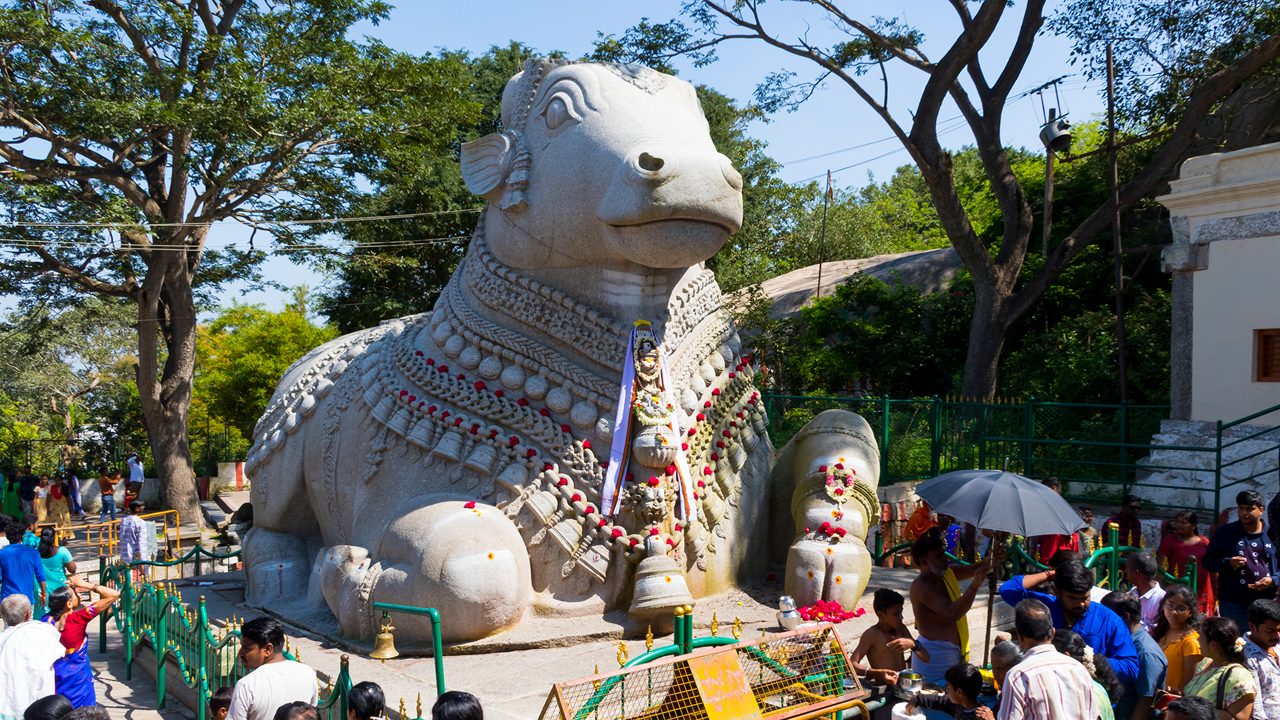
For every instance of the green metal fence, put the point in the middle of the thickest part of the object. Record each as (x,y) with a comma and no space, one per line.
(1100,451)
(205,653)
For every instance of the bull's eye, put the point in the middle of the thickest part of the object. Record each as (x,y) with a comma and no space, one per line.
(558,114)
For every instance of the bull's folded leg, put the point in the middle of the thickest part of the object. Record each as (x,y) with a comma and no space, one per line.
(818,570)
(470,563)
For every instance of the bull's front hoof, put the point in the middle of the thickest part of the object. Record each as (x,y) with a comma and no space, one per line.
(821,570)
(466,560)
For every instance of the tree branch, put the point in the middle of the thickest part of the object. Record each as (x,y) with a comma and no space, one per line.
(50,263)
(139,43)
(1203,100)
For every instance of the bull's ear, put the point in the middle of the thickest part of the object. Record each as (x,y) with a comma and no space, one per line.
(485,163)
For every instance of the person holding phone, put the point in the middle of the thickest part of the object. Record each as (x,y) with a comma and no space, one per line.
(1245,559)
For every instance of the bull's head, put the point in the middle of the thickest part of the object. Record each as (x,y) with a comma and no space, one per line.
(602,166)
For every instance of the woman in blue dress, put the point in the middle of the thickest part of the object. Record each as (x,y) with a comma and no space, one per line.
(73,675)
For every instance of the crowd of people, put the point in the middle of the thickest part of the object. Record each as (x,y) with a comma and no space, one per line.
(46,673)
(1156,648)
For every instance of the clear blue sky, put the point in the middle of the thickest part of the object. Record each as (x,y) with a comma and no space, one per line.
(832,121)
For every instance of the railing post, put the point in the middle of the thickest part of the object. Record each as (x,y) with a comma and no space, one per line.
(1029,433)
(1193,571)
(884,454)
(126,629)
(1113,560)
(202,672)
(104,617)
(161,642)
(1217,474)
(935,449)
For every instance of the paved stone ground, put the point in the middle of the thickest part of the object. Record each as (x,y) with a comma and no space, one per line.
(512,675)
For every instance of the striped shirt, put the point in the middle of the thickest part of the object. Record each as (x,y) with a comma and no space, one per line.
(1047,685)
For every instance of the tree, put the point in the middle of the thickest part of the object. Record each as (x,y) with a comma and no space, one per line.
(243,352)
(1002,292)
(162,118)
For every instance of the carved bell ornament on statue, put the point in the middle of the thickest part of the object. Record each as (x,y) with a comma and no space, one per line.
(660,586)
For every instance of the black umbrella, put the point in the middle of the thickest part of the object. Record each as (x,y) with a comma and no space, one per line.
(1000,500)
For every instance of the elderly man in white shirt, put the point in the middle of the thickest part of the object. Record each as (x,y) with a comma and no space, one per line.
(28,649)
(1046,685)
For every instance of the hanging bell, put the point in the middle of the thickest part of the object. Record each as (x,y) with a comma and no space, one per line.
(384,646)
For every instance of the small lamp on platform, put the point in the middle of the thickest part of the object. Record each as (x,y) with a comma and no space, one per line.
(384,646)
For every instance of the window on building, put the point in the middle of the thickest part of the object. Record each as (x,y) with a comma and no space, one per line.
(1266,345)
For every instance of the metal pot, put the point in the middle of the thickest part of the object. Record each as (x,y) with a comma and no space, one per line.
(909,683)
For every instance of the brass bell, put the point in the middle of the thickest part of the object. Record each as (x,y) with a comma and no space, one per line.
(384,646)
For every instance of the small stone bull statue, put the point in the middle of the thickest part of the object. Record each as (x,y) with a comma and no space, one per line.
(459,459)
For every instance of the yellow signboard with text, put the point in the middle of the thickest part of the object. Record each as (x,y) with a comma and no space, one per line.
(723,686)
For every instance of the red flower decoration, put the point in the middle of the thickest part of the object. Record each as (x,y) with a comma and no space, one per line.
(671,469)
(443,369)
(498,393)
(586,444)
(635,542)
(479,385)
(822,468)
(575,497)
(701,417)
(591,510)
(720,444)
(544,412)
(522,402)
(413,398)
(733,375)
(418,353)
(715,456)
(462,376)
(616,532)
(706,404)
(654,481)
(715,392)
(470,505)
(493,434)
(403,393)
(457,422)
(562,482)
(706,470)
(684,447)
(445,414)
(653,532)
(726,433)
(513,441)
(693,431)
(530,453)
(565,428)
(602,522)
(431,361)
(432,410)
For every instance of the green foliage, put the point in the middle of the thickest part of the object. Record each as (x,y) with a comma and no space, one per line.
(1162,50)
(242,354)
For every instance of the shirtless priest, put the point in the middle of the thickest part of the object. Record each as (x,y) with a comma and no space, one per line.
(940,607)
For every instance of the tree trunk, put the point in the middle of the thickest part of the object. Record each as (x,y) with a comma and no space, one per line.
(987,330)
(166,313)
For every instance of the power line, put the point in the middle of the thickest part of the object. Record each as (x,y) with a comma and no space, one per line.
(306,221)
(12,244)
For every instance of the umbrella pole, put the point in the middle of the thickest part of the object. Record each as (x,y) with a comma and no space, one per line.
(997,561)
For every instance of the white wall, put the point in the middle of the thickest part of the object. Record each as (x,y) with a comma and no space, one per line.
(1237,293)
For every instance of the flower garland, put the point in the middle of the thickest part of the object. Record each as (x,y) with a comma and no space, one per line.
(841,484)
(829,611)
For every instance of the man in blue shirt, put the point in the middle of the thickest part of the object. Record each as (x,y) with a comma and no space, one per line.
(1153,666)
(1105,632)
(20,567)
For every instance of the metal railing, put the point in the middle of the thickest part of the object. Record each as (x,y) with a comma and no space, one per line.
(104,537)
(206,652)
(1100,450)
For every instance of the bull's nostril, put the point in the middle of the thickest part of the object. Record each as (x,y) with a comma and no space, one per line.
(650,163)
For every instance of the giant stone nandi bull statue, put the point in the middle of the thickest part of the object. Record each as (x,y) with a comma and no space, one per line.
(481,458)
